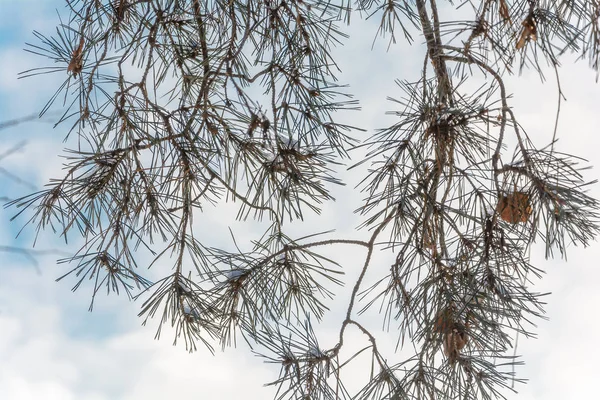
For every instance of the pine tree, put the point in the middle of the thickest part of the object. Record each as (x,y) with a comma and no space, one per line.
(180,106)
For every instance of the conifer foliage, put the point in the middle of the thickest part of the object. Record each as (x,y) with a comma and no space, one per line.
(177,107)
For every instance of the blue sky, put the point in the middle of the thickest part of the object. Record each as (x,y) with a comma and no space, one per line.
(51,347)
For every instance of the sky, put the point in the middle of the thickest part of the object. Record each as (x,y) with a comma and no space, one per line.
(51,347)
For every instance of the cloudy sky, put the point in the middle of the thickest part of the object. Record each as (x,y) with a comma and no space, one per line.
(51,347)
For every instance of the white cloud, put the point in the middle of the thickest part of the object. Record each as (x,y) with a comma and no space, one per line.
(41,359)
